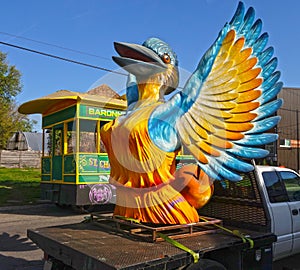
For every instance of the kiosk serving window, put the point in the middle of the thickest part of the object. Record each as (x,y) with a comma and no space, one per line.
(47,142)
(71,137)
(102,146)
(57,142)
(88,136)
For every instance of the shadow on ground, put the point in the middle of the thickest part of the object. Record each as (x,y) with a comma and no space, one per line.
(51,210)
(16,243)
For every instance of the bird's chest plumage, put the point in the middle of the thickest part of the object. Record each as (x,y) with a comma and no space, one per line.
(135,160)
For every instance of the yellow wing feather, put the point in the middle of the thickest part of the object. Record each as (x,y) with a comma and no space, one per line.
(247,65)
(209,149)
(243,56)
(194,129)
(249,75)
(224,88)
(223,110)
(236,48)
(248,96)
(250,85)
(239,127)
(245,107)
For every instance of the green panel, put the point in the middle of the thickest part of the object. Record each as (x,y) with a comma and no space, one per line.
(46,165)
(57,168)
(46,177)
(70,178)
(70,164)
(97,178)
(185,158)
(97,113)
(59,116)
(93,163)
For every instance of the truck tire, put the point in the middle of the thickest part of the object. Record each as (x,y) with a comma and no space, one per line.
(206,264)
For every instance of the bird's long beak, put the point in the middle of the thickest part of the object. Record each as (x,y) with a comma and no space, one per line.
(138,60)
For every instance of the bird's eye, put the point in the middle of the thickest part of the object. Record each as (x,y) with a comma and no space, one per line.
(166,58)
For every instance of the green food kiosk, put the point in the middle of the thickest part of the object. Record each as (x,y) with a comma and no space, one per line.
(74,166)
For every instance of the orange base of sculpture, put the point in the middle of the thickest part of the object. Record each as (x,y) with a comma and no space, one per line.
(172,203)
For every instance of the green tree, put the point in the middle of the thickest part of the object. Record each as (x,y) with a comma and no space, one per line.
(10,77)
(10,86)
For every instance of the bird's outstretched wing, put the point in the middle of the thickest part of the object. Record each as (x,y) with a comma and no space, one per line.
(227,104)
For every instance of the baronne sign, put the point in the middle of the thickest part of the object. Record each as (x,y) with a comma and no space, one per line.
(96,112)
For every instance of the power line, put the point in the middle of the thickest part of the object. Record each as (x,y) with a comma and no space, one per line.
(65,59)
(61,58)
(53,45)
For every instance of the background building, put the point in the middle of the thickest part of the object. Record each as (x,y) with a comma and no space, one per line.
(25,141)
(288,129)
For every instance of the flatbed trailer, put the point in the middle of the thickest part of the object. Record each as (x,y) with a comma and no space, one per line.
(88,246)
(240,206)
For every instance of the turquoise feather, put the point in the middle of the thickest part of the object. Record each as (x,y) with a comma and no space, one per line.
(265,56)
(258,139)
(253,34)
(264,125)
(248,152)
(268,109)
(270,93)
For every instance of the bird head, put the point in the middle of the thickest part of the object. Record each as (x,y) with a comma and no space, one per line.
(152,62)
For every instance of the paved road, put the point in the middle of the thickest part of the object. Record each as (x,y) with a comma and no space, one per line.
(17,252)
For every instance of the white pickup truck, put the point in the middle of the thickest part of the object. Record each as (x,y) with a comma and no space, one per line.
(281,189)
(276,190)
(264,207)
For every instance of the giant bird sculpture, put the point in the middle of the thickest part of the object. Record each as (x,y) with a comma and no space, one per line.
(221,116)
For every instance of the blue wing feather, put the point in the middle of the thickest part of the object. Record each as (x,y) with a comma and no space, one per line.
(238,16)
(265,56)
(271,81)
(132,93)
(161,124)
(258,139)
(222,171)
(260,44)
(270,93)
(264,125)
(233,163)
(268,109)
(269,68)
(206,62)
(209,170)
(254,33)
(248,21)
(248,152)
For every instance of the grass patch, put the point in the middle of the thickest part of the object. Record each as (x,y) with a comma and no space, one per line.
(19,186)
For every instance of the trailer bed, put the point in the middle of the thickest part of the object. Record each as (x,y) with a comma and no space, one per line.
(88,246)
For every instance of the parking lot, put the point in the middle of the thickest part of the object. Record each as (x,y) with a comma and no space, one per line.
(17,252)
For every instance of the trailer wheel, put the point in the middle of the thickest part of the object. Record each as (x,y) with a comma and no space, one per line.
(206,264)
(83,209)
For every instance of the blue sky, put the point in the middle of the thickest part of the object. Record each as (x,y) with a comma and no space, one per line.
(92,26)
